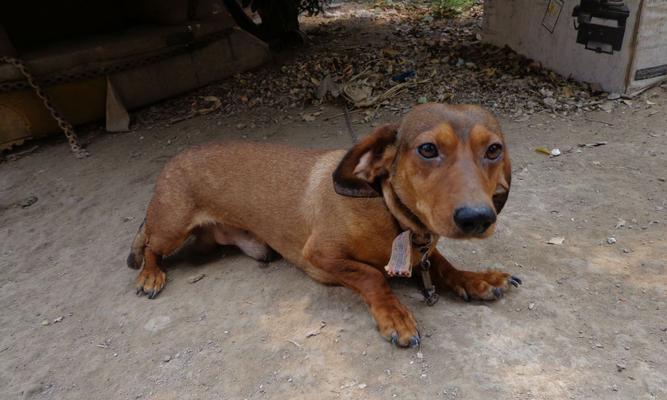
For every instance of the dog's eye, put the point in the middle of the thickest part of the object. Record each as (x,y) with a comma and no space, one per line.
(428,150)
(494,151)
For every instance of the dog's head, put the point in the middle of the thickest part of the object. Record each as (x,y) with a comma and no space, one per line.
(448,164)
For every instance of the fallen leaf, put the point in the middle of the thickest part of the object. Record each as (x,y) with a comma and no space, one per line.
(543,150)
(358,93)
(567,91)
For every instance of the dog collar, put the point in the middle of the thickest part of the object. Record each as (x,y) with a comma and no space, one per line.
(405,218)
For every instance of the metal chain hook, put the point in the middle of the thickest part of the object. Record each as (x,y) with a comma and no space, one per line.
(430,295)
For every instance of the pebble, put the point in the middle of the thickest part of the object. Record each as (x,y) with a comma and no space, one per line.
(531,306)
(614,96)
(362,386)
(557,240)
(611,240)
(27,202)
(166,358)
(46,322)
(620,366)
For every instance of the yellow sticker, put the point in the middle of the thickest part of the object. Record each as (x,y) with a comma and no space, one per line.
(400,262)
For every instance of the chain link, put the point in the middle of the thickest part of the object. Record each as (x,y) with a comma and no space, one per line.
(96,71)
(67,128)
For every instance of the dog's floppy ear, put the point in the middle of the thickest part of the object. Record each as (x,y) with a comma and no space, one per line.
(366,162)
(504,183)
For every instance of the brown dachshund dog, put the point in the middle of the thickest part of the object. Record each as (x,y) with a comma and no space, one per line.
(444,171)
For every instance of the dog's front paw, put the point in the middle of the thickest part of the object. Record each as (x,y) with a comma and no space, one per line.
(486,285)
(150,282)
(397,325)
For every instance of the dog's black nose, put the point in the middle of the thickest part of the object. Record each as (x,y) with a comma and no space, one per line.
(474,220)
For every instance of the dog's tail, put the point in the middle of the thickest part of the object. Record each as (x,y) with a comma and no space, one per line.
(136,257)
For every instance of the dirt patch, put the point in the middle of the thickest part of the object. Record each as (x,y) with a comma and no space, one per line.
(588,323)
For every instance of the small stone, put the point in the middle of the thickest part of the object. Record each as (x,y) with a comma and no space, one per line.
(55,321)
(557,240)
(614,387)
(614,96)
(166,358)
(196,278)
(531,306)
(46,322)
(362,386)
(599,345)
(240,125)
(555,152)
(620,366)
(611,240)
(27,202)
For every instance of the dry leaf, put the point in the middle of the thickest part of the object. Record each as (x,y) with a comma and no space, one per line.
(543,150)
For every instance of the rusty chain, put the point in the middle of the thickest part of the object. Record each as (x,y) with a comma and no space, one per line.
(96,71)
(67,128)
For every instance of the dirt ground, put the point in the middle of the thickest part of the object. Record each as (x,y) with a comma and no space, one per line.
(588,323)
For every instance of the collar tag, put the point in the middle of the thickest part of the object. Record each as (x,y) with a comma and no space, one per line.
(400,262)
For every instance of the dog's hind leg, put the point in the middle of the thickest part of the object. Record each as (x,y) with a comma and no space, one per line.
(165,232)
(151,279)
